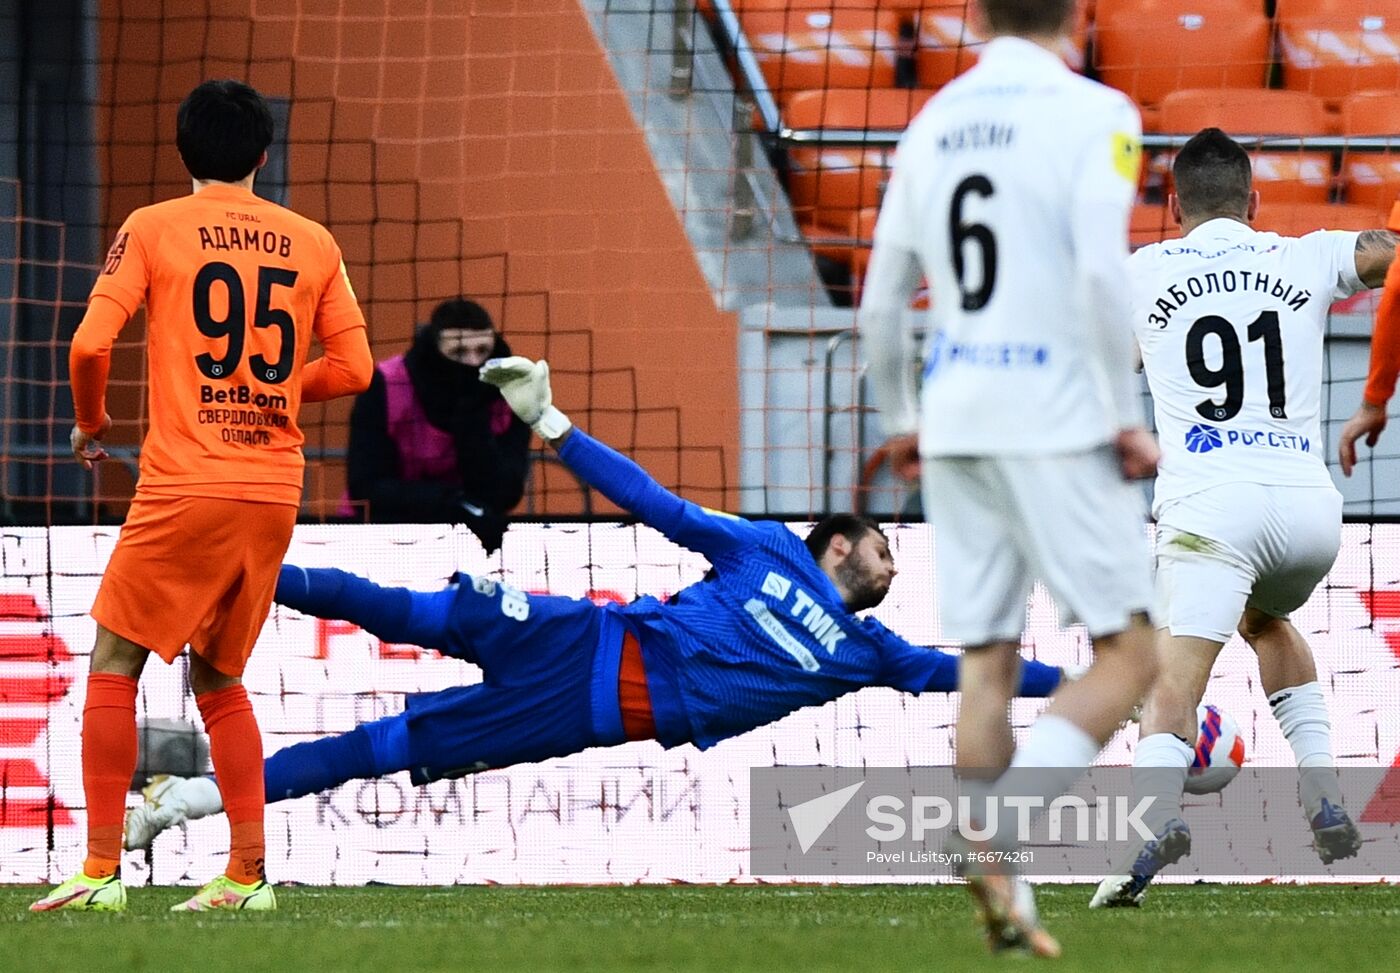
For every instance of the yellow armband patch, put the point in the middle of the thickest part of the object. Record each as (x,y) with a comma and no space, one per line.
(1127,156)
(720,513)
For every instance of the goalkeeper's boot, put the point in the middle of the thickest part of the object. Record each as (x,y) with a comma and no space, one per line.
(1005,902)
(163,809)
(1335,835)
(83,894)
(225,893)
(1172,844)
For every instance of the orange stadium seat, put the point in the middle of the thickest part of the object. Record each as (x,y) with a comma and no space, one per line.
(806,49)
(948,42)
(828,184)
(1372,178)
(1151,223)
(1281,176)
(1150,54)
(1335,47)
(833,243)
(906,8)
(1301,218)
(882,108)
(1105,9)
(749,6)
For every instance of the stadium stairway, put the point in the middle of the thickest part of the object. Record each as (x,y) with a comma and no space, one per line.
(746,257)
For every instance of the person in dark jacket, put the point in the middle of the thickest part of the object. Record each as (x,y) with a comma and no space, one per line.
(429,441)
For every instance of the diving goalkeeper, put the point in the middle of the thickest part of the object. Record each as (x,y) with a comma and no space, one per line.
(772,628)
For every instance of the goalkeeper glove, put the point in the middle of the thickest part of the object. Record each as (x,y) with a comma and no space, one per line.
(525,386)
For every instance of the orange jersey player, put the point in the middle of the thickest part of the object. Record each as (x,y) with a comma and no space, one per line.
(1370,417)
(234,288)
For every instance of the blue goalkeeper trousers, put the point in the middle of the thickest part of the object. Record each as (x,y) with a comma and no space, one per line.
(536,652)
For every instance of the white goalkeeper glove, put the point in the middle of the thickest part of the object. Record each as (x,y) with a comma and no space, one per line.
(525,386)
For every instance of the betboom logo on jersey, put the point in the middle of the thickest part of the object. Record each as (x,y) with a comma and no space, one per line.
(1202,439)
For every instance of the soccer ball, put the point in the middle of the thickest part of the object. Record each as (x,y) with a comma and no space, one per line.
(1219,752)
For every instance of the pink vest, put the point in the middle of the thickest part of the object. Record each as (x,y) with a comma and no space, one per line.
(425,451)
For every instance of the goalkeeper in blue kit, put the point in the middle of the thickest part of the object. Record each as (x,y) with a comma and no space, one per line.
(772,628)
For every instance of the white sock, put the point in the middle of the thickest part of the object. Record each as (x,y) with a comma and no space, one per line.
(1058,752)
(200,796)
(1302,715)
(1056,742)
(976,790)
(1160,763)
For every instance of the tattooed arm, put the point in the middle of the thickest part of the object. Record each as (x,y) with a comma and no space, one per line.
(1375,250)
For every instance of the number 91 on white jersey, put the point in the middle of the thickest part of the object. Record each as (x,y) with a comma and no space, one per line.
(1230,323)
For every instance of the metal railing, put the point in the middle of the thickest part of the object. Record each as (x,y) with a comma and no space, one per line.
(875,138)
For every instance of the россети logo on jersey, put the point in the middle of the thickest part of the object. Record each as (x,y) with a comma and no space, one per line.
(987,354)
(1201,438)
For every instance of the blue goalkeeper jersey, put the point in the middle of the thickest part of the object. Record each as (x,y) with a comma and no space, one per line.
(767,635)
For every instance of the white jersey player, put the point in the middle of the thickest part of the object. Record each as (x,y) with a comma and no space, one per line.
(1230,323)
(1010,193)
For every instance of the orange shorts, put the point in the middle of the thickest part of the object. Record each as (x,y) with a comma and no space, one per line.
(195,570)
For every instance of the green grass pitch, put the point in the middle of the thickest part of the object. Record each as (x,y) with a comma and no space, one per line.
(1196,928)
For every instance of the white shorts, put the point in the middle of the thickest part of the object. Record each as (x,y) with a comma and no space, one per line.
(1241,545)
(1001,522)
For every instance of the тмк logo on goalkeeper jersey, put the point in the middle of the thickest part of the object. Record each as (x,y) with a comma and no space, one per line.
(1202,439)
(777,586)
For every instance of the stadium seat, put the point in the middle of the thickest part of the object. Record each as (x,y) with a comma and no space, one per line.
(1244,111)
(947,46)
(1300,218)
(948,42)
(1333,48)
(811,49)
(1372,178)
(1152,53)
(828,184)
(1151,223)
(1281,176)
(833,243)
(883,108)
(1105,9)
(749,6)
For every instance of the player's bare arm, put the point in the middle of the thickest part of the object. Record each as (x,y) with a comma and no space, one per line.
(1375,255)
(1369,421)
(1375,251)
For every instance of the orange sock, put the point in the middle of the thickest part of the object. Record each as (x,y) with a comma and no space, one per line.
(109,760)
(236,748)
